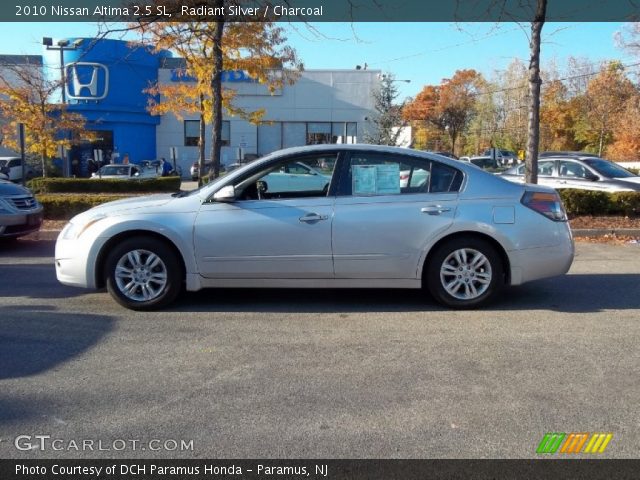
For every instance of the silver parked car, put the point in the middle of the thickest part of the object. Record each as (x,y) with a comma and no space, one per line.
(20,212)
(461,232)
(582,172)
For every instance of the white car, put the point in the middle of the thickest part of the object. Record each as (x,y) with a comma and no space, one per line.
(11,169)
(295,177)
(463,235)
(124,172)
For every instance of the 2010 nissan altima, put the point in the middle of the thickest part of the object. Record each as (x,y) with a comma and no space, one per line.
(454,229)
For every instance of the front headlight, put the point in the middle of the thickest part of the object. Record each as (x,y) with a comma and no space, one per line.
(71,231)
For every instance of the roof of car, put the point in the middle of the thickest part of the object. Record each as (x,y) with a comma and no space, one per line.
(568,154)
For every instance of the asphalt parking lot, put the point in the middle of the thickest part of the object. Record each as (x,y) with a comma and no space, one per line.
(325,373)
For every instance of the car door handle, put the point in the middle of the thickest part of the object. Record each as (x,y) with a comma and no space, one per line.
(435,209)
(313,217)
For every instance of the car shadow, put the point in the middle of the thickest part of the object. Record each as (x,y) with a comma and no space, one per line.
(27,248)
(34,339)
(569,293)
(34,280)
(304,300)
(580,293)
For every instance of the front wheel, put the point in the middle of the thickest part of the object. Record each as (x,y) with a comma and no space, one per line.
(143,273)
(465,273)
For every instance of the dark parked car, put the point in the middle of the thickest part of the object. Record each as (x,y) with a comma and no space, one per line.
(20,212)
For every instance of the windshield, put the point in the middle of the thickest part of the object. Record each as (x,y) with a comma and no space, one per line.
(607,168)
(114,170)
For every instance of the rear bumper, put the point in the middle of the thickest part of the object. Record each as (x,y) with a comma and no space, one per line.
(543,262)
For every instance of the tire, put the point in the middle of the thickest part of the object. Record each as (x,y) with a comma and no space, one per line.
(150,274)
(465,273)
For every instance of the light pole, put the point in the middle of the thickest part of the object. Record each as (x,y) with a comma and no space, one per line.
(61,46)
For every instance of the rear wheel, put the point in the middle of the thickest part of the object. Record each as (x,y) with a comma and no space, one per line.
(143,273)
(465,273)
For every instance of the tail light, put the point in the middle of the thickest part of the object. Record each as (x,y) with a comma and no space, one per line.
(404,176)
(548,204)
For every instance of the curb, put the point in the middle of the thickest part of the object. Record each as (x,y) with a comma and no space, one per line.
(601,232)
(578,232)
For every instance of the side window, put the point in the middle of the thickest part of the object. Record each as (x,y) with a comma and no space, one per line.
(312,178)
(15,163)
(388,174)
(545,168)
(572,170)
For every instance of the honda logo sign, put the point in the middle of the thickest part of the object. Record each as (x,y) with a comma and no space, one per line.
(87,81)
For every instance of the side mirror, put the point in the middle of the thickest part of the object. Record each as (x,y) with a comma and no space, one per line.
(225,194)
(592,177)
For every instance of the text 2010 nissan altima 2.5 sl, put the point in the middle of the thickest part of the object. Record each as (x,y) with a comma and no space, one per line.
(460,232)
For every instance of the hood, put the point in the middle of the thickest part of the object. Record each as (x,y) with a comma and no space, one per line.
(126,205)
(9,188)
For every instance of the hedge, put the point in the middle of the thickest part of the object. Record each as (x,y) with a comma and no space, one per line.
(91,185)
(586,202)
(63,207)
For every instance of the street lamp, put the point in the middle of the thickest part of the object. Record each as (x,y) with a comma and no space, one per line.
(61,46)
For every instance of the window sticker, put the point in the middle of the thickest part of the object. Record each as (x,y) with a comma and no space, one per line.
(376,179)
(388,179)
(364,180)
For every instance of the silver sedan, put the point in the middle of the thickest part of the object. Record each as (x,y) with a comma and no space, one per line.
(580,172)
(460,232)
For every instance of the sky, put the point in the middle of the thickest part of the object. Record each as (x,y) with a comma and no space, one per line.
(424,53)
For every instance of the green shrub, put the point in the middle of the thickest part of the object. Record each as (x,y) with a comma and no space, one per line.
(63,207)
(90,185)
(627,203)
(586,202)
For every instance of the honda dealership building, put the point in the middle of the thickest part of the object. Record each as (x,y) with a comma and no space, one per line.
(106,82)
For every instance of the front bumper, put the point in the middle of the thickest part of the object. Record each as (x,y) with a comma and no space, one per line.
(15,225)
(74,262)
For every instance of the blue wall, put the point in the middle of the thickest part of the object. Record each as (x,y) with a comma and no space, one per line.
(123,110)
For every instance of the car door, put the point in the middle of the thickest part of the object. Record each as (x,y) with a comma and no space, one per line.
(572,174)
(266,233)
(380,228)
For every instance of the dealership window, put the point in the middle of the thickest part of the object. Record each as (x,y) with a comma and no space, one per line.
(318,133)
(273,136)
(192,132)
(344,132)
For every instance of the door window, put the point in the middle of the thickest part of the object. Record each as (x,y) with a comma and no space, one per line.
(372,173)
(298,177)
(572,170)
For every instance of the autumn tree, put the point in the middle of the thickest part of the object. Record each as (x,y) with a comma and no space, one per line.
(27,97)
(558,116)
(626,145)
(388,119)
(449,106)
(512,100)
(605,99)
(210,47)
